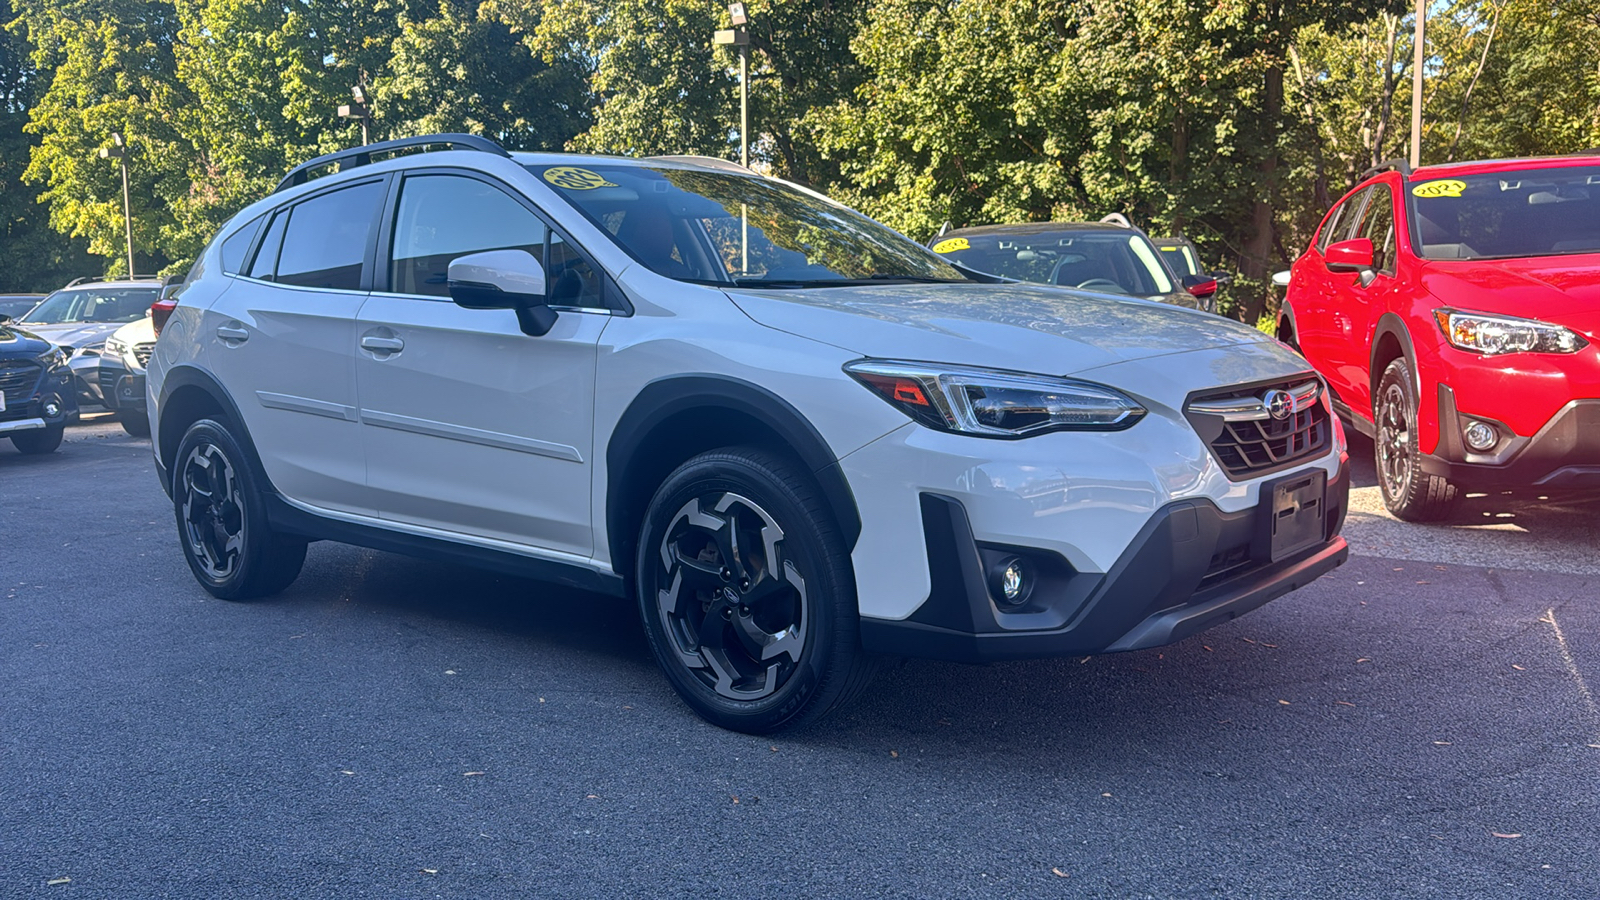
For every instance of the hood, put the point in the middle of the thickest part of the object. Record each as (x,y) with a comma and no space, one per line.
(1027,327)
(75,334)
(18,344)
(1564,290)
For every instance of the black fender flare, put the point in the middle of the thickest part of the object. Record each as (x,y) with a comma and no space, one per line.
(193,377)
(1390,324)
(665,398)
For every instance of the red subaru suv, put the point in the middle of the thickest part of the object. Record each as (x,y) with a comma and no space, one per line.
(1452,310)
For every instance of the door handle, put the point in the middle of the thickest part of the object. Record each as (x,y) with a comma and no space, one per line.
(233,332)
(382,344)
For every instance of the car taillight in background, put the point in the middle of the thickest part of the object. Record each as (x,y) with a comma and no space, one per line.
(161,311)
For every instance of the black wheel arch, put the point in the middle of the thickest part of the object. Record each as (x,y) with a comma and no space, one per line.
(189,394)
(1391,340)
(677,417)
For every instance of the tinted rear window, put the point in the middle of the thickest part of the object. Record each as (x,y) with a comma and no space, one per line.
(326,240)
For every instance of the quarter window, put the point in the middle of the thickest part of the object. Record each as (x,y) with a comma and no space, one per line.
(326,239)
(238,244)
(442,217)
(267,257)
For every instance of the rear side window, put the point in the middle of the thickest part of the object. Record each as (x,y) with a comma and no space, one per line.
(238,244)
(442,217)
(325,242)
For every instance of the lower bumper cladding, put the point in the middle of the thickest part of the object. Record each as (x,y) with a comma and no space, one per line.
(1191,567)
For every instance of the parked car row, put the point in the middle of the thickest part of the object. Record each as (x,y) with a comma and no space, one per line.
(105,335)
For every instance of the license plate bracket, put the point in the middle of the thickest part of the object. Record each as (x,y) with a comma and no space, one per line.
(1294,512)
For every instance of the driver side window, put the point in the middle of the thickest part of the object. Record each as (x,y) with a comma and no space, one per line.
(1377,225)
(442,217)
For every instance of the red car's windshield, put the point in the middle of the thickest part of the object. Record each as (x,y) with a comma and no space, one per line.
(1499,215)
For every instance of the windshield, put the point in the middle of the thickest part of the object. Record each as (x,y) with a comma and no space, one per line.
(1113,261)
(92,305)
(1532,212)
(726,227)
(16,306)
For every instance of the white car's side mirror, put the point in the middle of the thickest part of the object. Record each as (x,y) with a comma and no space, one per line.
(503,279)
(1281,279)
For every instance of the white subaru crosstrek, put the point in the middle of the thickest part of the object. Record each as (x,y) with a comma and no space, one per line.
(797,439)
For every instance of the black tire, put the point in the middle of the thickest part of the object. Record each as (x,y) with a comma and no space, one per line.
(134,422)
(1408,492)
(770,639)
(39,440)
(222,520)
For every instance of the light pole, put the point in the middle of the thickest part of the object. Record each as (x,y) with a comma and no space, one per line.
(739,36)
(119,152)
(1416,84)
(358,109)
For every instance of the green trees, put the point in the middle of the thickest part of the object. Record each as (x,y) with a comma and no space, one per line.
(1235,123)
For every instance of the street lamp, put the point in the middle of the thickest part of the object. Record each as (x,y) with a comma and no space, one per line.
(119,152)
(739,36)
(358,109)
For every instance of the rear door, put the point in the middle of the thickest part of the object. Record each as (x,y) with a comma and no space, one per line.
(283,342)
(471,426)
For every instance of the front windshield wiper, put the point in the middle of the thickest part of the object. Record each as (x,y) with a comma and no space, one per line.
(919,279)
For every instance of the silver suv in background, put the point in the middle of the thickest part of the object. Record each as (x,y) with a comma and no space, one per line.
(796,439)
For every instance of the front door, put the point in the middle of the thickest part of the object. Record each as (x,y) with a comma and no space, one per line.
(1359,300)
(470,426)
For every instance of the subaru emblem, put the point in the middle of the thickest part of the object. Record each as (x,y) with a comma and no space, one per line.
(1279,404)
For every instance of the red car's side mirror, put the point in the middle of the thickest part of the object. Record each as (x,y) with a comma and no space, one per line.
(1349,256)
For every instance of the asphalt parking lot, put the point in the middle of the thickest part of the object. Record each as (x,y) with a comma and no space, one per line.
(1420,723)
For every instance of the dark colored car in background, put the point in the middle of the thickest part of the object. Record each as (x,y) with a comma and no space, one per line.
(12,306)
(79,317)
(37,398)
(1183,258)
(1109,257)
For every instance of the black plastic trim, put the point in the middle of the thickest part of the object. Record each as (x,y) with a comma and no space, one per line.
(1563,455)
(1161,590)
(293,520)
(193,376)
(660,400)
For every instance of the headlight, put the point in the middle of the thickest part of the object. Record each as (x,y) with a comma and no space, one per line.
(52,358)
(992,402)
(115,347)
(1495,335)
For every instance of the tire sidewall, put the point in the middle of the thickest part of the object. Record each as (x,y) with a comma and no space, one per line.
(806,543)
(257,531)
(1398,372)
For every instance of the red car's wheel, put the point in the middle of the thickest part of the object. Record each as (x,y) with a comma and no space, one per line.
(1410,493)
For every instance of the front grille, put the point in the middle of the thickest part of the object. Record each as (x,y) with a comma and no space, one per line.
(18,378)
(1248,441)
(142,353)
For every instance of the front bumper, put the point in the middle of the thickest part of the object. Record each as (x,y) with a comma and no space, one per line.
(1192,566)
(120,388)
(1564,454)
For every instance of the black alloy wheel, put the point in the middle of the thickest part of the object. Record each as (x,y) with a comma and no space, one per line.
(1409,493)
(222,525)
(746,592)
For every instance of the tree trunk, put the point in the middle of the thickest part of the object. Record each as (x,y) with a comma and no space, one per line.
(1256,261)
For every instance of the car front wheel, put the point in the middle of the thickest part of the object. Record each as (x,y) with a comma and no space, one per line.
(222,524)
(1410,493)
(746,592)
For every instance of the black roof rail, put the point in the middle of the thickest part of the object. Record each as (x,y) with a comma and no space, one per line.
(96,279)
(1399,165)
(361,156)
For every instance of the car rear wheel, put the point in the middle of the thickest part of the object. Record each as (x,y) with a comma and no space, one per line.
(38,440)
(1410,493)
(134,422)
(746,592)
(222,523)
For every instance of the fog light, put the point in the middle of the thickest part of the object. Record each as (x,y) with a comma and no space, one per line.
(1010,582)
(51,409)
(1480,436)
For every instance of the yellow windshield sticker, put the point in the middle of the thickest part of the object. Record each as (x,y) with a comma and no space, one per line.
(1446,188)
(574,178)
(951,245)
